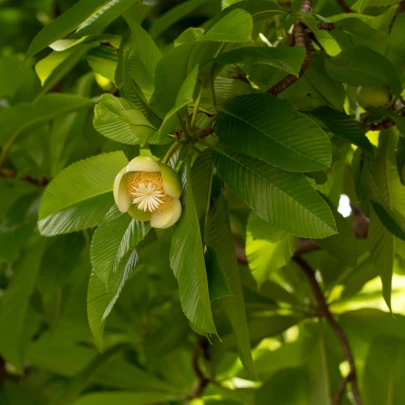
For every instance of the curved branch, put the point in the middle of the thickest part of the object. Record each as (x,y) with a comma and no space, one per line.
(299,38)
(203,381)
(344,343)
(344,6)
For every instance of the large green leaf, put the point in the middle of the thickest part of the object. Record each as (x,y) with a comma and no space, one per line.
(284,199)
(95,14)
(120,120)
(187,262)
(235,26)
(184,97)
(396,52)
(287,59)
(143,57)
(106,242)
(173,15)
(24,116)
(360,5)
(57,64)
(15,306)
(219,238)
(392,194)
(267,248)
(343,125)
(283,137)
(103,17)
(278,389)
(171,71)
(384,372)
(101,298)
(361,66)
(80,196)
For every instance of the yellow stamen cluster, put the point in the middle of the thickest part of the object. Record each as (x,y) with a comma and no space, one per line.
(147,192)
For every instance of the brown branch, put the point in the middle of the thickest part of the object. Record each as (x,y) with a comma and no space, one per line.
(344,343)
(400,9)
(203,381)
(344,6)
(238,76)
(341,389)
(329,26)
(299,38)
(12,174)
(206,132)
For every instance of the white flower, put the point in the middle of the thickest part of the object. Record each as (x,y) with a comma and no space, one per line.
(149,191)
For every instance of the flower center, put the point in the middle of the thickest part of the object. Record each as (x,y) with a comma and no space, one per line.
(147,191)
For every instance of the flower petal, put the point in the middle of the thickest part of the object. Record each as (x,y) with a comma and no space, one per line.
(167,217)
(143,164)
(121,197)
(171,181)
(138,214)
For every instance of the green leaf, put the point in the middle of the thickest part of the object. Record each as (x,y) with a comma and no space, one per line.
(330,89)
(219,238)
(361,66)
(103,17)
(342,246)
(285,200)
(396,51)
(171,71)
(217,284)
(235,26)
(173,15)
(125,397)
(344,126)
(127,57)
(360,5)
(351,31)
(184,97)
(287,59)
(383,372)
(22,117)
(103,60)
(15,305)
(187,263)
(390,192)
(283,138)
(267,248)
(84,10)
(201,176)
(106,243)
(62,211)
(143,57)
(56,65)
(84,377)
(120,120)
(278,389)
(101,299)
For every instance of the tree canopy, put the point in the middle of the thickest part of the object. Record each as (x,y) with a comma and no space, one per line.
(202,202)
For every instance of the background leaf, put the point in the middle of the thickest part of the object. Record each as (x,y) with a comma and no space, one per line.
(267,248)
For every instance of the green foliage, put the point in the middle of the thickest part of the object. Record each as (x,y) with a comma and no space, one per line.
(267,284)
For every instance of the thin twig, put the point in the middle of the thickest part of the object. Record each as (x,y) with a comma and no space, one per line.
(344,6)
(400,9)
(12,174)
(337,399)
(299,38)
(203,381)
(325,312)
